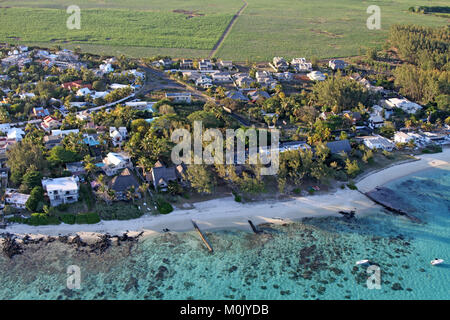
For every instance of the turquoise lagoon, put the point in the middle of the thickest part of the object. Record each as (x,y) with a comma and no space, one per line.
(314,259)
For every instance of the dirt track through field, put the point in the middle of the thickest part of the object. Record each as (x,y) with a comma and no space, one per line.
(227,30)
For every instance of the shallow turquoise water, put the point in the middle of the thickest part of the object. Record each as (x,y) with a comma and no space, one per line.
(314,259)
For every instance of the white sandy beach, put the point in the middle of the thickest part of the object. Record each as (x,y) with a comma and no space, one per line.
(225,213)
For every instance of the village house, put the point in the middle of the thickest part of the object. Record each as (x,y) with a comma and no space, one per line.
(52,141)
(160,175)
(377,142)
(316,76)
(186,64)
(226,64)
(114,162)
(258,94)
(123,183)
(76,168)
(15,134)
(236,95)
(279,64)
(16,199)
(404,104)
(75,85)
(339,146)
(376,121)
(179,97)
(301,65)
(205,65)
(50,123)
(243,80)
(401,137)
(83,92)
(336,64)
(221,77)
(354,117)
(204,82)
(118,136)
(61,190)
(286,146)
(166,62)
(106,68)
(284,76)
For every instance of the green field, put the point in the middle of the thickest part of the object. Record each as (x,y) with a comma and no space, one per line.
(323,28)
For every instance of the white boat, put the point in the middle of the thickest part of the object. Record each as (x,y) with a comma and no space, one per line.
(436,261)
(362,262)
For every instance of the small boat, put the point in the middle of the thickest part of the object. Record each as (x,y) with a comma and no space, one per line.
(436,261)
(360,262)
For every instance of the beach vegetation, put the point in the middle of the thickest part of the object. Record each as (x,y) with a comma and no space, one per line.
(163,206)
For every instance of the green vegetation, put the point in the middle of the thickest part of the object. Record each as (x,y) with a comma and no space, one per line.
(120,28)
(265,28)
(163,206)
(330,28)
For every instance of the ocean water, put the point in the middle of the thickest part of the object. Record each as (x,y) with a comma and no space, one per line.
(312,259)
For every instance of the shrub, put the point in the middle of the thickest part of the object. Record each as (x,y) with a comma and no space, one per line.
(36,196)
(42,219)
(163,206)
(297,190)
(68,218)
(87,218)
(352,186)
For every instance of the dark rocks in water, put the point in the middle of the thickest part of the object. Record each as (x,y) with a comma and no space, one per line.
(162,270)
(396,286)
(102,245)
(10,246)
(348,214)
(78,242)
(63,239)
(391,201)
(305,254)
(232,269)
(132,283)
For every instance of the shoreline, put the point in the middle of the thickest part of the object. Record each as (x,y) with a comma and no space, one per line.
(226,214)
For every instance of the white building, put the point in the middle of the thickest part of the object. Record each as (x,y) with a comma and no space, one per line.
(118,136)
(180,97)
(16,134)
(316,76)
(401,137)
(404,104)
(106,68)
(61,190)
(114,162)
(15,198)
(83,92)
(301,65)
(378,142)
(204,82)
(376,121)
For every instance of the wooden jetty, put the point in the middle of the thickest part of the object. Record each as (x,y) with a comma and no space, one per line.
(255,230)
(203,237)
